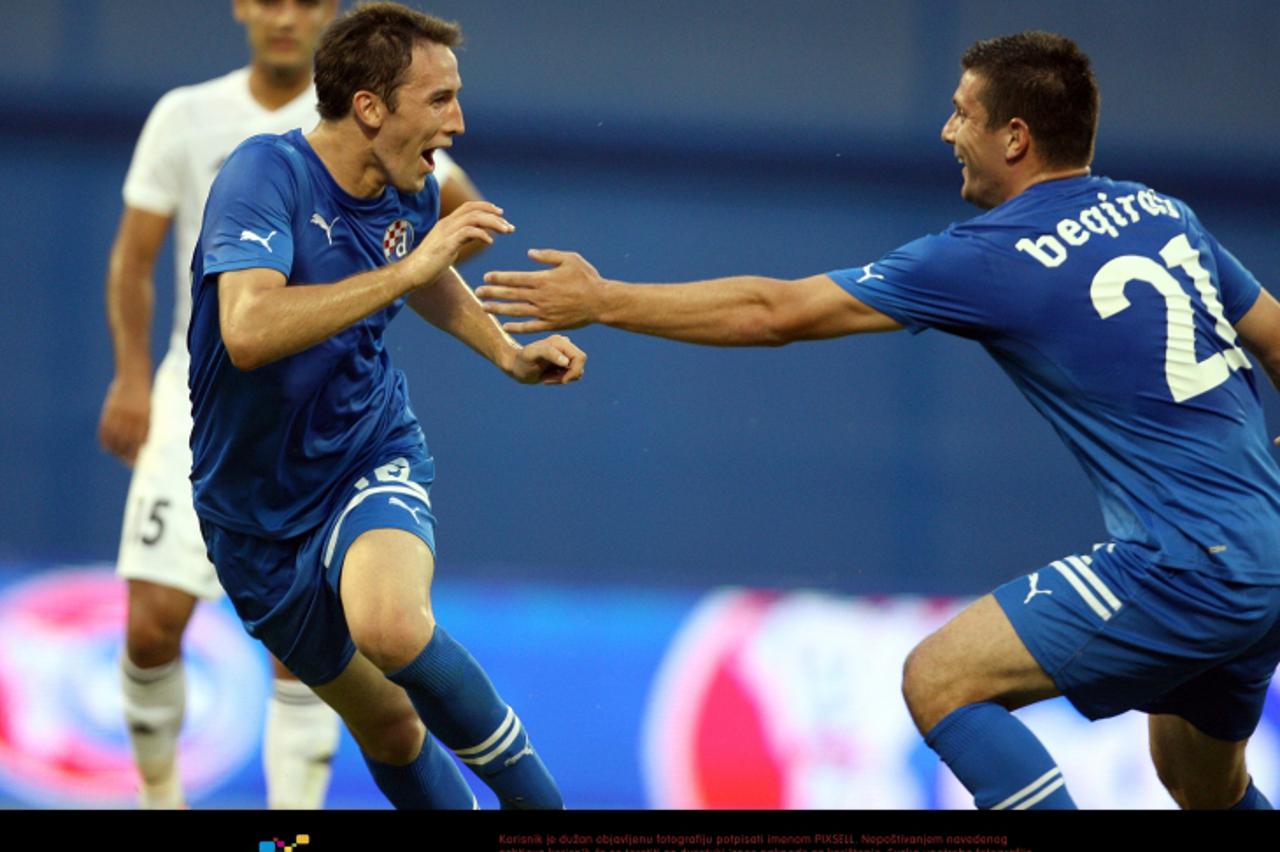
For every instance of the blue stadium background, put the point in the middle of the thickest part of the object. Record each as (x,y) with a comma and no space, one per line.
(664,140)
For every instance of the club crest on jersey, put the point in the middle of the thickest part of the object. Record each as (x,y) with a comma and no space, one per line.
(397,239)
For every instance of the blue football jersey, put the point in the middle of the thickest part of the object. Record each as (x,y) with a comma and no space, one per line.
(1111,308)
(272,447)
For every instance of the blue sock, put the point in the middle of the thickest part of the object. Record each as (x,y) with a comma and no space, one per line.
(1253,800)
(459,705)
(432,781)
(999,760)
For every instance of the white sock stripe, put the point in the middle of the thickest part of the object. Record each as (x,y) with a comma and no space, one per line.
(411,489)
(497,750)
(494,737)
(1095,581)
(1079,586)
(1029,789)
(1038,796)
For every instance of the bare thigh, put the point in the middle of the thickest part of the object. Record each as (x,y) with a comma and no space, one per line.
(976,656)
(386,595)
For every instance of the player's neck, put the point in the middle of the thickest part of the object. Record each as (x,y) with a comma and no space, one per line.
(275,87)
(342,149)
(1047,174)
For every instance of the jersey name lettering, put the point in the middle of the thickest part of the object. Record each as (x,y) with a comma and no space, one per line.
(1102,219)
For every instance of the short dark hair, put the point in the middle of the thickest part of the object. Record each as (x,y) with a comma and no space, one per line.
(370,48)
(1045,80)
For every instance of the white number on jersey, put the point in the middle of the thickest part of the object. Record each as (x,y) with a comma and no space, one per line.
(1186,376)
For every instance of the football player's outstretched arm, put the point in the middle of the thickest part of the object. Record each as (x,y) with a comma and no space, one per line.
(738,311)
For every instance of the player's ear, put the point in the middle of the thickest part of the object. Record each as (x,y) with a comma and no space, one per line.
(237,10)
(369,109)
(1017,139)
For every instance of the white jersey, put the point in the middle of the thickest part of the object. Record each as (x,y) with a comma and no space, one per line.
(190,131)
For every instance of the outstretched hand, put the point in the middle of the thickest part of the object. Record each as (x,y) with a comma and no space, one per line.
(552,360)
(562,297)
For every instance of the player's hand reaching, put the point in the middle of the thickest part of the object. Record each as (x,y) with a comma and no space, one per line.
(475,220)
(126,416)
(562,297)
(552,360)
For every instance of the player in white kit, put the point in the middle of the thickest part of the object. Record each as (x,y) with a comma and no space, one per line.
(147,423)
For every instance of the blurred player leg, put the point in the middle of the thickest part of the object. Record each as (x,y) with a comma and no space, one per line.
(1200,771)
(154,689)
(162,556)
(298,744)
(385,585)
(407,765)
(952,682)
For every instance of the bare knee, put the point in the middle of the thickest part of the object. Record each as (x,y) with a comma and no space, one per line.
(157,618)
(929,689)
(394,639)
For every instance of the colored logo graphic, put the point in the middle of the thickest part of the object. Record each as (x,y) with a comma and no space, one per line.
(62,731)
(397,239)
(794,701)
(787,702)
(275,844)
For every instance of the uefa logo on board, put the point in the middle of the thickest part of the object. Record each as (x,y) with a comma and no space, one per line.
(767,701)
(794,701)
(62,730)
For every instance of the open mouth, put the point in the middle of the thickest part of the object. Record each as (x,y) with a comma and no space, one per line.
(429,157)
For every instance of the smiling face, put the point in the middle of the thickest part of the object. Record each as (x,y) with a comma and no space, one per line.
(283,34)
(423,115)
(981,152)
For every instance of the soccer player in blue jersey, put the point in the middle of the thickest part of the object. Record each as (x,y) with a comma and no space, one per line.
(1122,320)
(311,473)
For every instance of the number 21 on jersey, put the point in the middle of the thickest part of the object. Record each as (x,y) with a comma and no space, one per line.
(1187,377)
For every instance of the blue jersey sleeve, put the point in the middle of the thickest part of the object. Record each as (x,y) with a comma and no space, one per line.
(1239,288)
(932,282)
(248,217)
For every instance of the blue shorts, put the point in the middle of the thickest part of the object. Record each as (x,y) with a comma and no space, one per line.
(286,591)
(1117,632)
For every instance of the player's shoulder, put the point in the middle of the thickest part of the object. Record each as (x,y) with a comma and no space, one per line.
(263,151)
(266,159)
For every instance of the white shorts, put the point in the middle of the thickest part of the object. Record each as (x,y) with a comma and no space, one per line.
(160,540)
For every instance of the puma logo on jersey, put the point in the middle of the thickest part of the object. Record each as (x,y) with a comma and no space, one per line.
(266,241)
(1035,589)
(327,227)
(412,510)
(867,274)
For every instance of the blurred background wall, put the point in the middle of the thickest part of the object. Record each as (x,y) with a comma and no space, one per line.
(665,141)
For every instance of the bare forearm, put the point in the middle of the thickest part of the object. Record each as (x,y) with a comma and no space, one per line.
(130,296)
(738,311)
(450,306)
(262,324)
